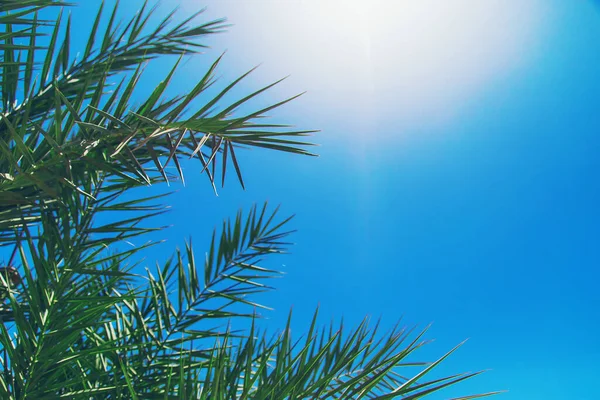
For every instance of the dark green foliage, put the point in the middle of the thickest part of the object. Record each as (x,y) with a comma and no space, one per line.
(79,324)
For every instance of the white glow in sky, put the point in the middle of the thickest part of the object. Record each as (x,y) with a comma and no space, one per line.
(417,59)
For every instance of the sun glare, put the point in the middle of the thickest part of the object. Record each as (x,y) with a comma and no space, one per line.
(417,59)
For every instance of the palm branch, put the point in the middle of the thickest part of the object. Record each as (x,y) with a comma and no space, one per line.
(82,321)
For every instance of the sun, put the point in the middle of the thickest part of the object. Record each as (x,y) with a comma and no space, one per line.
(414,59)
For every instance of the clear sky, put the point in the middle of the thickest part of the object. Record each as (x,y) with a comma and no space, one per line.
(457,181)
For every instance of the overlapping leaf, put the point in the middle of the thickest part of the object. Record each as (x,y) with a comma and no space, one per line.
(63,124)
(75,138)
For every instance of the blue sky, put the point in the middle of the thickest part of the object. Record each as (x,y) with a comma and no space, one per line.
(457,181)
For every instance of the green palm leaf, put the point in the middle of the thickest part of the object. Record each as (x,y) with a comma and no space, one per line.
(82,321)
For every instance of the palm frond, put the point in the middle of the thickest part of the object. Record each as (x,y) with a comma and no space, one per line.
(79,321)
(67,131)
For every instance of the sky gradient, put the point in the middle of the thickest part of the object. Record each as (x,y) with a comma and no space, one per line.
(457,181)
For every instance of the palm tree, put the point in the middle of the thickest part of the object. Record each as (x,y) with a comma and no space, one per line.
(77,321)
